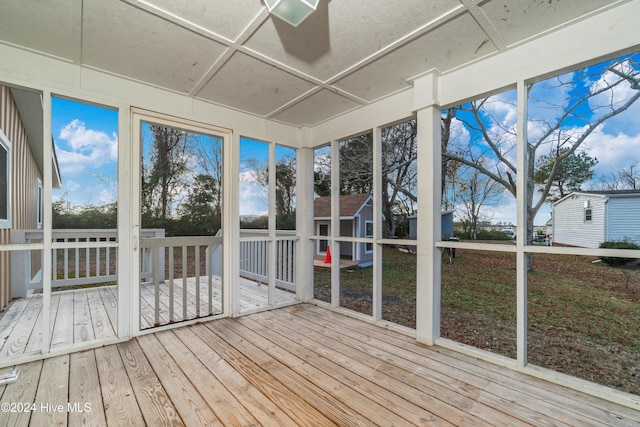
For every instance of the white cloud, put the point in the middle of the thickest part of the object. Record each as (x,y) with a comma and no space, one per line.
(503,109)
(504,212)
(87,149)
(614,152)
(90,192)
(252,197)
(619,94)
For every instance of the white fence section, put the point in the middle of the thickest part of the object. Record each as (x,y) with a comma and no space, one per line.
(254,257)
(79,257)
(183,291)
(89,257)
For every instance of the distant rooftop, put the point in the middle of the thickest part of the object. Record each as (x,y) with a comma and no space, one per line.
(350,204)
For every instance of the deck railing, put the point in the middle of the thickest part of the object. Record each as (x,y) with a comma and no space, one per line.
(254,257)
(79,257)
(187,258)
(88,257)
(200,258)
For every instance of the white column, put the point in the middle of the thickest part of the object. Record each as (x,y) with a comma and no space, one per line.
(521,231)
(335,223)
(429,206)
(304,224)
(271,243)
(128,216)
(231,225)
(47,222)
(377,223)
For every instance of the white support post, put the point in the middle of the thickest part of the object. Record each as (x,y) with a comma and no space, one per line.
(128,214)
(304,224)
(231,225)
(129,190)
(377,223)
(428,261)
(271,246)
(521,231)
(335,223)
(47,171)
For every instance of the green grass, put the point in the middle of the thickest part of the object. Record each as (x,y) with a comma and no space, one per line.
(583,317)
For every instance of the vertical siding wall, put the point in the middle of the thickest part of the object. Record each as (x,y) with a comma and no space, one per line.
(623,220)
(24,174)
(569,226)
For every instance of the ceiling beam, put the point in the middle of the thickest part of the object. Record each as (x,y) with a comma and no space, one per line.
(485,23)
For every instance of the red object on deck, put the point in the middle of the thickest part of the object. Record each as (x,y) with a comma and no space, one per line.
(327,257)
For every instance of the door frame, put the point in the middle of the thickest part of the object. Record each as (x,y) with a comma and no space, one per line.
(138,116)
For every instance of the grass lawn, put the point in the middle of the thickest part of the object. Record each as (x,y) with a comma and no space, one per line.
(584,317)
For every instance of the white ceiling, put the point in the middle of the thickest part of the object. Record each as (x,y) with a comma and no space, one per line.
(349,53)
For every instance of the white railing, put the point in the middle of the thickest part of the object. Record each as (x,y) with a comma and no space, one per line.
(254,257)
(79,257)
(89,257)
(184,291)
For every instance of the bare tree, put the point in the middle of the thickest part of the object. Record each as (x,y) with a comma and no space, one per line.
(630,177)
(477,191)
(623,179)
(285,187)
(592,96)
(162,176)
(207,156)
(399,174)
(399,170)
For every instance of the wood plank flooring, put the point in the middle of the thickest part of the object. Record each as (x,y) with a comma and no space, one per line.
(301,365)
(85,315)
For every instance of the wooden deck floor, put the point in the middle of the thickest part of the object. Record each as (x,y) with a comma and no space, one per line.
(88,314)
(302,365)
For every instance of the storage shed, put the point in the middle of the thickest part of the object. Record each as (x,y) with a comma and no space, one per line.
(446,225)
(356,220)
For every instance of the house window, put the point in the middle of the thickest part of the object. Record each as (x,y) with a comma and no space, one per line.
(39,204)
(368,232)
(323,230)
(587,214)
(5,181)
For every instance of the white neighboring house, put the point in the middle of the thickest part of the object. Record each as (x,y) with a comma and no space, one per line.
(586,219)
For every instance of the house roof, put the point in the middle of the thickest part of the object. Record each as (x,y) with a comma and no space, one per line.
(30,107)
(601,194)
(614,192)
(346,55)
(350,205)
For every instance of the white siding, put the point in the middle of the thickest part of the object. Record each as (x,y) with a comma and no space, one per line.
(569,226)
(623,218)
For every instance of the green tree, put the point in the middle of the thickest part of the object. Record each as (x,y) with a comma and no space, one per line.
(286,193)
(199,214)
(574,170)
(285,188)
(67,216)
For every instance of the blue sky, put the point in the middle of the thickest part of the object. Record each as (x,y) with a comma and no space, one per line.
(253,197)
(86,139)
(86,146)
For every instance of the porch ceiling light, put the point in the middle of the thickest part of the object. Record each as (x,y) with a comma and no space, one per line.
(291,11)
